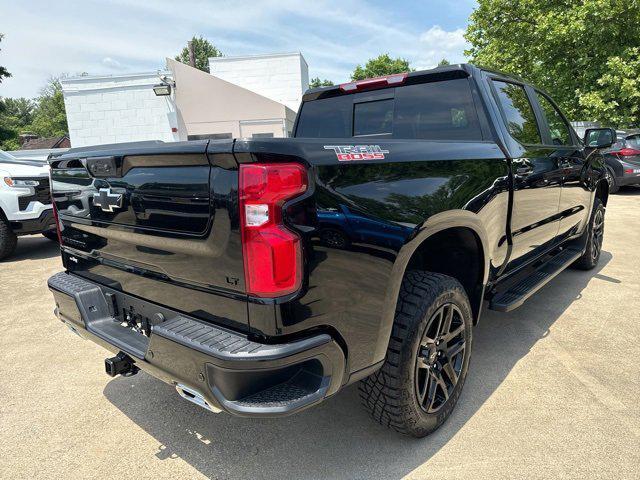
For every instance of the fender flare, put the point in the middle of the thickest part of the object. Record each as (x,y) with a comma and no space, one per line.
(436,223)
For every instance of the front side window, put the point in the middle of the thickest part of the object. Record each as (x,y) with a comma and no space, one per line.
(558,128)
(521,121)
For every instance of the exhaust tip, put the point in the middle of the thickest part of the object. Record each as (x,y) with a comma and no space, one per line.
(196,397)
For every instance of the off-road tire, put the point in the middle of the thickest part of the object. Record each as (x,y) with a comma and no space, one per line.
(390,394)
(594,233)
(8,239)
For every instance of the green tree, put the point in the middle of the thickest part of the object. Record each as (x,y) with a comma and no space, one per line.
(49,117)
(16,115)
(18,112)
(616,96)
(444,62)
(380,66)
(584,53)
(316,82)
(203,50)
(3,71)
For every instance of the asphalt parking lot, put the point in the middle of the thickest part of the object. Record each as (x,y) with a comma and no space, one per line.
(553,392)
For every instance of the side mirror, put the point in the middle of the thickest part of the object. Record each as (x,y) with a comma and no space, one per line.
(599,137)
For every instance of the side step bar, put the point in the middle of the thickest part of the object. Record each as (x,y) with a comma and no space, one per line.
(516,295)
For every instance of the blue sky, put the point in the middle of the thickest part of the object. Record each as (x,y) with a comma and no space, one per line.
(44,38)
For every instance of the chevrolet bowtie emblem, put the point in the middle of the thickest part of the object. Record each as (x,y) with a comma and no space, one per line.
(107,200)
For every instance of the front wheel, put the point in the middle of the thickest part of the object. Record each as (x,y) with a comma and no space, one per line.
(427,358)
(595,236)
(8,239)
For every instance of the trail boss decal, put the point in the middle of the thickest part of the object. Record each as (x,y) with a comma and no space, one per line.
(349,153)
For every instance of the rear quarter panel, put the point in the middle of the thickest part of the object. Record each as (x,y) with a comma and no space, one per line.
(419,187)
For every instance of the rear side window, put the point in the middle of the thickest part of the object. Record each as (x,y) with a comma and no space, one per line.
(633,141)
(330,117)
(521,121)
(431,111)
(437,111)
(558,128)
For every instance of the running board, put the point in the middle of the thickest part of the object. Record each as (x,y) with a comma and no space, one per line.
(521,291)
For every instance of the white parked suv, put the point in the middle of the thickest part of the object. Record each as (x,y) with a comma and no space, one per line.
(25,201)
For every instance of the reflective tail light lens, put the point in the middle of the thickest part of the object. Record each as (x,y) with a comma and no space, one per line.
(627,152)
(272,253)
(57,220)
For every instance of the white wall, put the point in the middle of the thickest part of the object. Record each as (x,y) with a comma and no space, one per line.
(115,109)
(280,77)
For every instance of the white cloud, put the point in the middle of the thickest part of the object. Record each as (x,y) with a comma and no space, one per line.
(437,43)
(128,35)
(112,64)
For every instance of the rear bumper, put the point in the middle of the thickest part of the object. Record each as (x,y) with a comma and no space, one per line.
(28,226)
(629,179)
(228,369)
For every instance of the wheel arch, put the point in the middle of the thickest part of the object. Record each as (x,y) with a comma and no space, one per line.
(602,191)
(458,224)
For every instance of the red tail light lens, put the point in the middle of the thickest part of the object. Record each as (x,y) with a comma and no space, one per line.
(627,152)
(57,220)
(272,253)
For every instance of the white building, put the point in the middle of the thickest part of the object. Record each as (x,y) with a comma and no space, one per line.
(282,77)
(243,97)
(117,108)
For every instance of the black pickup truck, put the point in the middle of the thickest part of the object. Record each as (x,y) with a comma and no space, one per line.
(261,276)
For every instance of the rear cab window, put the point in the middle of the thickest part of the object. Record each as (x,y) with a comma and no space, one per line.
(633,141)
(439,110)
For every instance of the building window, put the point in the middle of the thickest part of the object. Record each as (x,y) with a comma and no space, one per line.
(211,136)
(262,135)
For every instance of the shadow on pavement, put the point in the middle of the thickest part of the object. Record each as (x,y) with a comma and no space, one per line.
(33,247)
(628,191)
(337,439)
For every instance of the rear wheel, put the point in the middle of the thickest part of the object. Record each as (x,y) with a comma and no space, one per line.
(334,238)
(427,359)
(595,236)
(8,239)
(611,180)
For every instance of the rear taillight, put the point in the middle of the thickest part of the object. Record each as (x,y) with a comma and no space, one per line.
(372,83)
(626,152)
(57,219)
(272,253)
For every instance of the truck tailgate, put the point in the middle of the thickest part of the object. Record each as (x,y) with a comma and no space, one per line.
(158,221)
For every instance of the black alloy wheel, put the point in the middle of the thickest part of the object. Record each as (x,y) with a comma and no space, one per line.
(598,234)
(440,357)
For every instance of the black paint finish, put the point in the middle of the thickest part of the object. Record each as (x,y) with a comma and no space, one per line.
(176,239)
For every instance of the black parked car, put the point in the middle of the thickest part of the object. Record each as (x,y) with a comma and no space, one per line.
(623,161)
